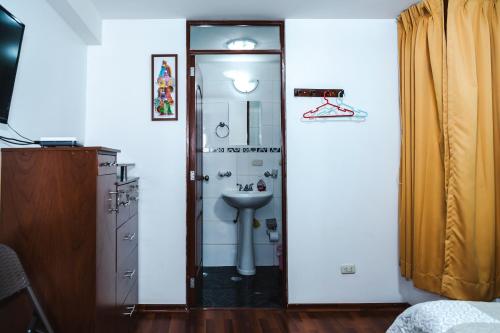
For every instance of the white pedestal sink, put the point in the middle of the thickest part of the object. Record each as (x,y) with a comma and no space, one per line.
(247,203)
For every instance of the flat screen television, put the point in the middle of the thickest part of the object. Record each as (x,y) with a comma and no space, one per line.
(11,37)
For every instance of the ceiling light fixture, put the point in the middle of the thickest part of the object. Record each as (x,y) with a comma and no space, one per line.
(245,86)
(243,44)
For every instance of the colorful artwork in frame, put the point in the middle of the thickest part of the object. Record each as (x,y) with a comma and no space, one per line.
(164,87)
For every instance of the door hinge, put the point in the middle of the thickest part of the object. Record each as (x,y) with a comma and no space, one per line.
(192,175)
(192,283)
(191,71)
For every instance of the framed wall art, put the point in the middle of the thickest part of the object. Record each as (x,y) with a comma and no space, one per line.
(164,87)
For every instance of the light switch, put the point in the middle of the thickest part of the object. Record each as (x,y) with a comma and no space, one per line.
(257,162)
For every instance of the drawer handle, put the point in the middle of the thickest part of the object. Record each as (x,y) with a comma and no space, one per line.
(129,274)
(130,309)
(129,237)
(108,164)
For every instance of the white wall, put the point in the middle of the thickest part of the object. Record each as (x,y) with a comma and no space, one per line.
(343,176)
(119,115)
(49,94)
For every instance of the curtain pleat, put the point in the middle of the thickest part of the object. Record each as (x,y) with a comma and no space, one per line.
(450,148)
(471,260)
(422,176)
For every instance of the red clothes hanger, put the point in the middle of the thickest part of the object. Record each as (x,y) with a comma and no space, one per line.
(312,114)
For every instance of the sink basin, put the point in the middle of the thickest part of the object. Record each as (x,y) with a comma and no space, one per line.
(254,199)
(247,203)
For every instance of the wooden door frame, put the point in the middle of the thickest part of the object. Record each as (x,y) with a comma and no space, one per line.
(191,144)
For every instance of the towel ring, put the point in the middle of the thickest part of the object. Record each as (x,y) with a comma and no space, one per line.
(222,125)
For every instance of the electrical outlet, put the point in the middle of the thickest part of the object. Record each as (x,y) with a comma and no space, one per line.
(348,269)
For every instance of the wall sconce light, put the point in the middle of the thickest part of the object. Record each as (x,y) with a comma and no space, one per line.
(245,86)
(242,81)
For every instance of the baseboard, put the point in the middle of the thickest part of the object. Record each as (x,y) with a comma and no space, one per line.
(291,307)
(162,308)
(347,306)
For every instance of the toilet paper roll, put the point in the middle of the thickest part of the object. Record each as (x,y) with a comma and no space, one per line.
(274,236)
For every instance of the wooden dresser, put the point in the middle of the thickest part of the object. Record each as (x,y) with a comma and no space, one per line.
(75,228)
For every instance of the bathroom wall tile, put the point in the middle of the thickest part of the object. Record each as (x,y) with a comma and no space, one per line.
(264,254)
(219,255)
(263,93)
(277,114)
(276,86)
(267,113)
(242,164)
(217,209)
(278,208)
(276,257)
(212,164)
(220,232)
(276,133)
(213,114)
(222,89)
(245,167)
(259,234)
(267,136)
(266,212)
(277,184)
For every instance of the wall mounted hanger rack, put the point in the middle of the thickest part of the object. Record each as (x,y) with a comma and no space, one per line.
(303,92)
(328,110)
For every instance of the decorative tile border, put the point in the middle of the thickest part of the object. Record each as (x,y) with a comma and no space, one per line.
(243,150)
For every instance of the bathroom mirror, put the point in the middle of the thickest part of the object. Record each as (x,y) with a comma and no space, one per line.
(245,123)
(241,100)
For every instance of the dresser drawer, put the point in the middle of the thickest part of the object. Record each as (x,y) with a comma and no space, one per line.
(106,164)
(127,310)
(123,203)
(133,189)
(126,239)
(126,275)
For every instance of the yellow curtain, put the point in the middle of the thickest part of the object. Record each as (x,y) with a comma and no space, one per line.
(422,178)
(450,158)
(472,256)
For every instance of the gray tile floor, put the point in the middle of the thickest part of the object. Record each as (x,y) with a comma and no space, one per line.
(263,290)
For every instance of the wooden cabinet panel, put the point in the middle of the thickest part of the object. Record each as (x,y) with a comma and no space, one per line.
(48,217)
(106,258)
(59,212)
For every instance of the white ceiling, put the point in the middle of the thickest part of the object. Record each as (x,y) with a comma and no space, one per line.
(256,9)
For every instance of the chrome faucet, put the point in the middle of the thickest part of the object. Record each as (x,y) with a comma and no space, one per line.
(248,188)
